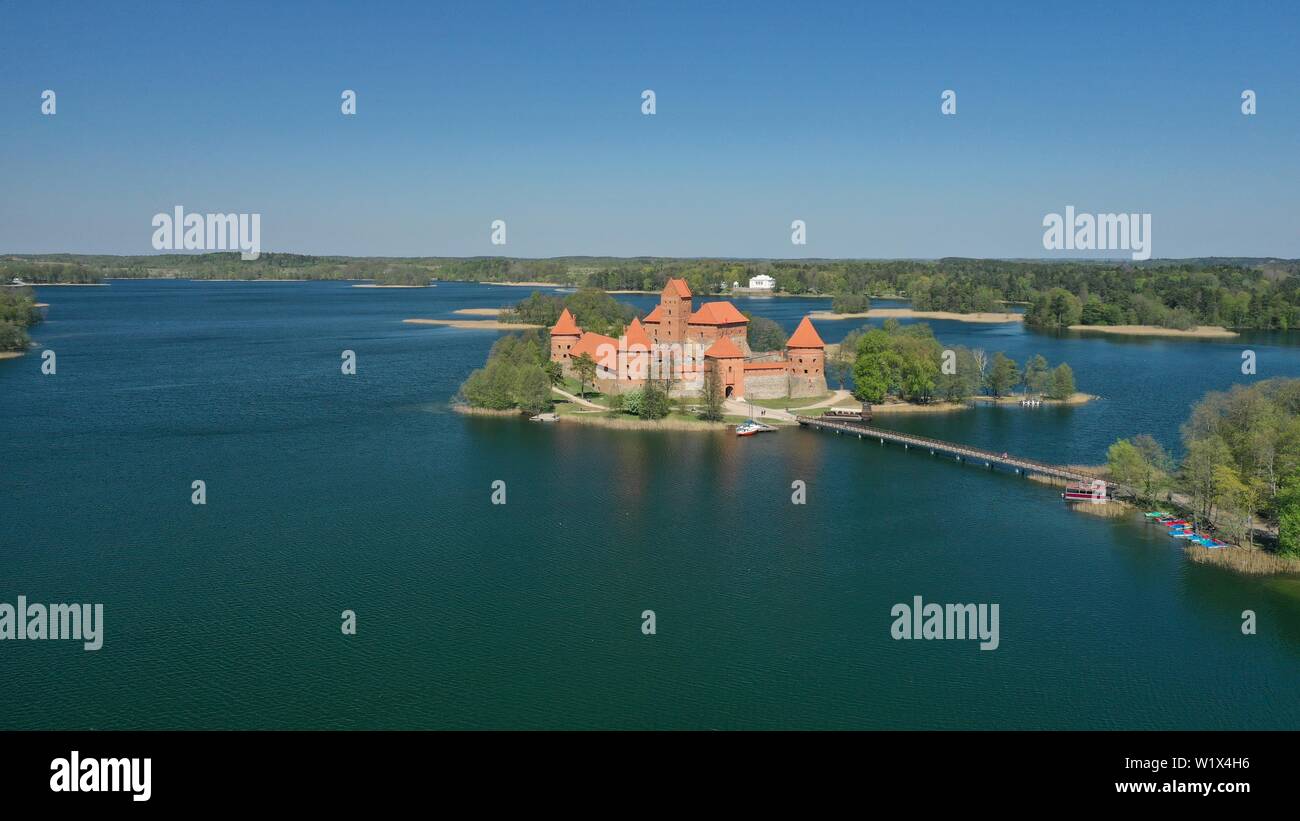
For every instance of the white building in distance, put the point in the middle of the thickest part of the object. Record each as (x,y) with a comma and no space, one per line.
(762,282)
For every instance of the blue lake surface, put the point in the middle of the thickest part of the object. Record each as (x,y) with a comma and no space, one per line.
(329,492)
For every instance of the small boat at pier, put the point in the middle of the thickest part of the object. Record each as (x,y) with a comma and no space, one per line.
(750,427)
(1083,492)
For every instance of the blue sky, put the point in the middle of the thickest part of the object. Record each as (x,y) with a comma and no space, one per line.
(766,112)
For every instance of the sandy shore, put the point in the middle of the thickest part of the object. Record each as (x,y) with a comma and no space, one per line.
(1077,398)
(908,407)
(479,311)
(908,313)
(527,284)
(10,354)
(479,324)
(390,286)
(944,407)
(471,411)
(1199,332)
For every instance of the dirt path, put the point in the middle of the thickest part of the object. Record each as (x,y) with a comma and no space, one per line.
(578,400)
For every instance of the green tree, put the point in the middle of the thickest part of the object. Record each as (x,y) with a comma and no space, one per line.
(13,337)
(1003,375)
(492,386)
(1037,377)
(554,372)
(1201,475)
(1288,506)
(850,304)
(965,380)
(585,367)
(1137,467)
(654,401)
(532,391)
(764,334)
(875,367)
(1062,382)
(711,410)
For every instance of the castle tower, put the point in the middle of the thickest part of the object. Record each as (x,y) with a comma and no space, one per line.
(805,355)
(636,346)
(674,311)
(564,335)
(729,362)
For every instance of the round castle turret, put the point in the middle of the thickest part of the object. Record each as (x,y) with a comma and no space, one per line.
(806,358)
(564,335)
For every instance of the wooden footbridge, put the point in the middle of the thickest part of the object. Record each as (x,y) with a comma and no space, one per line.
(852,425)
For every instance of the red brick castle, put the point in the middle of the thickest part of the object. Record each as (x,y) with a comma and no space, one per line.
(677,341)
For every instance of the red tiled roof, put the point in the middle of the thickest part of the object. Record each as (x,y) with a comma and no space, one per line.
(805,336)
(717,313)
(565,326)
(654,316)
(724,348)
(601,348)
(636,335)
(678,287)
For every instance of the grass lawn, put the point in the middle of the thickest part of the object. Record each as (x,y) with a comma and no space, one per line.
(790,402)
(572,386)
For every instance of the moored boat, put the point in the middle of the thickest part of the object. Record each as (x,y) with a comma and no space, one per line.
(750,427)
(1083,492)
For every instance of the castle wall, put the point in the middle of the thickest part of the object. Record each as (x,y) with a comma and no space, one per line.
(766,385)
(810,385)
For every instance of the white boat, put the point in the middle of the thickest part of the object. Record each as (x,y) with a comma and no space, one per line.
(750,427)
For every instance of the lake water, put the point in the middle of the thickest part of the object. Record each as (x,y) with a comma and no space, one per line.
(329,492)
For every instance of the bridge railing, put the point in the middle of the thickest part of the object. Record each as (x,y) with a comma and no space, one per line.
(952,447)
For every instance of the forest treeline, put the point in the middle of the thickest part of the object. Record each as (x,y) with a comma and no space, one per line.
(1234,292)
(18,312)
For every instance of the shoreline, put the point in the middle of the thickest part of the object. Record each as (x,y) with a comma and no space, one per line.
(1248,561)
(911,313)
(11,354)
(523,284)
(385,286)
(479,311)
(477,324)
(627,422)
(1200,332)
(1078,398)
